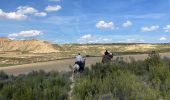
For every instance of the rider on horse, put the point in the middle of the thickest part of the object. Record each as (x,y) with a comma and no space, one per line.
(107,57)
(80,63)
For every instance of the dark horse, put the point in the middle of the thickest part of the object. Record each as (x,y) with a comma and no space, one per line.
(107,58)
(79,66)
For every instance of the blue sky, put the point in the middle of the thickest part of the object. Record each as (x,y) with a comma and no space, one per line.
(86,21)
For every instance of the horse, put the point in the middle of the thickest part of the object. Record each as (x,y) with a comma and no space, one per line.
(79,66)
(76,68)
(107,58)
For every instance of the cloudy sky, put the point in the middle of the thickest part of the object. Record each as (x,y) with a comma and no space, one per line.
(86,21)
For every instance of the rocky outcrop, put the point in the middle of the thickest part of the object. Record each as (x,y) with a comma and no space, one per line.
(30,46)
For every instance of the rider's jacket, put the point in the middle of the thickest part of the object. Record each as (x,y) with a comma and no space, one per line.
(79,58)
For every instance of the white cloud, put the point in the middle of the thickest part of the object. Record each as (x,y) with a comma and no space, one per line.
(162,38)
(105,25)
(130,40)
(150,29)
(127,24)
(88,38)
(53,8)
(167,28)
(41,14)
(106,39)
(12,15)
(26,10)
(30,10)
(25,34)
(12,36)
(21,13)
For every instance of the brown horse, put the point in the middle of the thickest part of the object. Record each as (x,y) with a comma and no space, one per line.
(107,58)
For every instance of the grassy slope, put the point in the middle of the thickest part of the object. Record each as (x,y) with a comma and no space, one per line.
(98,49)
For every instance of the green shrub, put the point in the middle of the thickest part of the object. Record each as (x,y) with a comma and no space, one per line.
(36,86)
(138,80)
(3,75)
(135,80)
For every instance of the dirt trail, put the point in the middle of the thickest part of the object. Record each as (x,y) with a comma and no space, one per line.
(59,65)
(63,65)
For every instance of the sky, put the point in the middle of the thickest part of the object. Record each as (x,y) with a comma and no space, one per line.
(86,21)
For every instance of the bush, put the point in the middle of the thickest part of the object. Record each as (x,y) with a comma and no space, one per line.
(36,86)
(3,75)
(138,80)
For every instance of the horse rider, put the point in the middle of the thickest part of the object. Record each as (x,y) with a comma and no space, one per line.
(80,61)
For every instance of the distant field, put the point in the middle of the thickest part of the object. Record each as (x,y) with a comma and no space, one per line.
(99,49)
(71,50)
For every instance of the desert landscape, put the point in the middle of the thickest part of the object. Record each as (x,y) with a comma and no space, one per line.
(24,56)
(16,52)
(84,50)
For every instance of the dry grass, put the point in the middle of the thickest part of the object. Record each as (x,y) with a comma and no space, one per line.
(71,50)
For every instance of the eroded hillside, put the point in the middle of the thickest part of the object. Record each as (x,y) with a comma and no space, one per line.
(14,52)
(27,46)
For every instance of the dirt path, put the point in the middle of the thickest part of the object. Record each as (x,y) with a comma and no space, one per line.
(63,65)
(59,65)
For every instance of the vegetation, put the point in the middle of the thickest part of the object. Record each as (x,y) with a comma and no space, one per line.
(138,80)
(135,80)
(34,86)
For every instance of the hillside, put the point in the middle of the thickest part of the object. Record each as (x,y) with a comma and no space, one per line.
(14,52)
(99,49)
(29,46)
(40,46)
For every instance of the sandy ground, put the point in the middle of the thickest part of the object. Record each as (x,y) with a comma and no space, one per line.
(63,65)
(58,65)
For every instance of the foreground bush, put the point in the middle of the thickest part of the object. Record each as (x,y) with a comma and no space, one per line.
(138,80)
(35,86)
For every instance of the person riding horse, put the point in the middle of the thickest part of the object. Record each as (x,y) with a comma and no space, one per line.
(79,63)
(107,57)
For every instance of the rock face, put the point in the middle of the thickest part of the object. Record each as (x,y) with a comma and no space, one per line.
(30,46)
